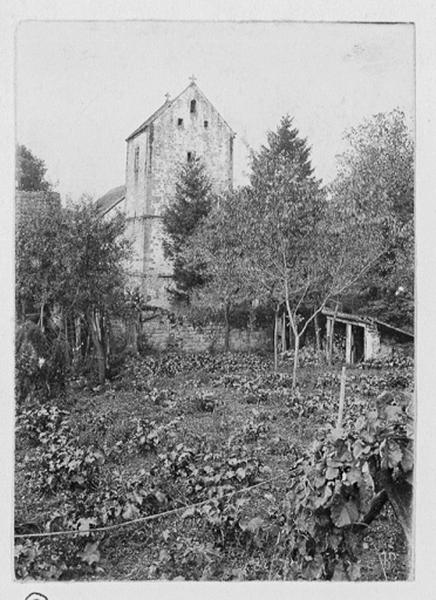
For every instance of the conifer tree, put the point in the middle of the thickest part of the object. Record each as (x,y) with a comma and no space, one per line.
(191,203)
(286,145)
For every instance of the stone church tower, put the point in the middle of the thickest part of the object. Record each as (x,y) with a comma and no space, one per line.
(187,125)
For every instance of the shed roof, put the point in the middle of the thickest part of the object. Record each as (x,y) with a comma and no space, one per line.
(361,319)
(109,200)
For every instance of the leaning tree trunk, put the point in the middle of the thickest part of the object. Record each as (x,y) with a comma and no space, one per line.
(98,345)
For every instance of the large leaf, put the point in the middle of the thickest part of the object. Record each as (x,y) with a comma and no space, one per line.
(344,513)
(90,554)
(391,454)
(331,472)
(84,524)
(407,460)
(339,572)
(366,489)
(130,511)
(252,525)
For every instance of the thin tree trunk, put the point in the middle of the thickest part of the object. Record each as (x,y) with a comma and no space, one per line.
(275,339)
(77,340)
(332,332)
(296,338)
(284,332)
(296,350)
(41,317)
(98,345)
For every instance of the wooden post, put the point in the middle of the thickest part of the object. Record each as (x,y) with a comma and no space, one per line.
(341,399)
(348,343)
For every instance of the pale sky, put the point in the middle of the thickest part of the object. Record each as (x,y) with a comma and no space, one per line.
(83,87)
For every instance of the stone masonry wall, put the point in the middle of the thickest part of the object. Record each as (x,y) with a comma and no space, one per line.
(161,333)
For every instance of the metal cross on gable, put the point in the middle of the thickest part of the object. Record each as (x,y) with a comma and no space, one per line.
(193,79)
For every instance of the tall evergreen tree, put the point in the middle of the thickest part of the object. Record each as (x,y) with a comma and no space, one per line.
(286,145)
(192,202)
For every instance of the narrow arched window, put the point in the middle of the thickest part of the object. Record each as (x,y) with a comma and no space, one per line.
(136,162)
(193,106)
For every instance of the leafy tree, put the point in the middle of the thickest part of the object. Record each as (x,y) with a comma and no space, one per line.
(298,246)
(94,274)
(39,274)
(215,252)
(192,202)
(30,171)
(69,263)
(376,180)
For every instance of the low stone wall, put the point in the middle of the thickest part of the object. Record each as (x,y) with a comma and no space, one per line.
(163,332)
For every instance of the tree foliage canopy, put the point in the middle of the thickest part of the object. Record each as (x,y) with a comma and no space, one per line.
(70,265)
(30,171)
(375,182)
(284,144)
(69,256)
(282,241)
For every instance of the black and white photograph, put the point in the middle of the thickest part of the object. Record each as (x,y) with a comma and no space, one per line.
(214,301)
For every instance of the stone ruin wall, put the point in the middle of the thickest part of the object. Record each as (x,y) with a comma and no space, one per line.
(162,332)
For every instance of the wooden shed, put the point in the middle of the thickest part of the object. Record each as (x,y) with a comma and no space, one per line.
(366,338)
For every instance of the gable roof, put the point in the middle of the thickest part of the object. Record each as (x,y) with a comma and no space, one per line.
(109,200)
(167,105)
